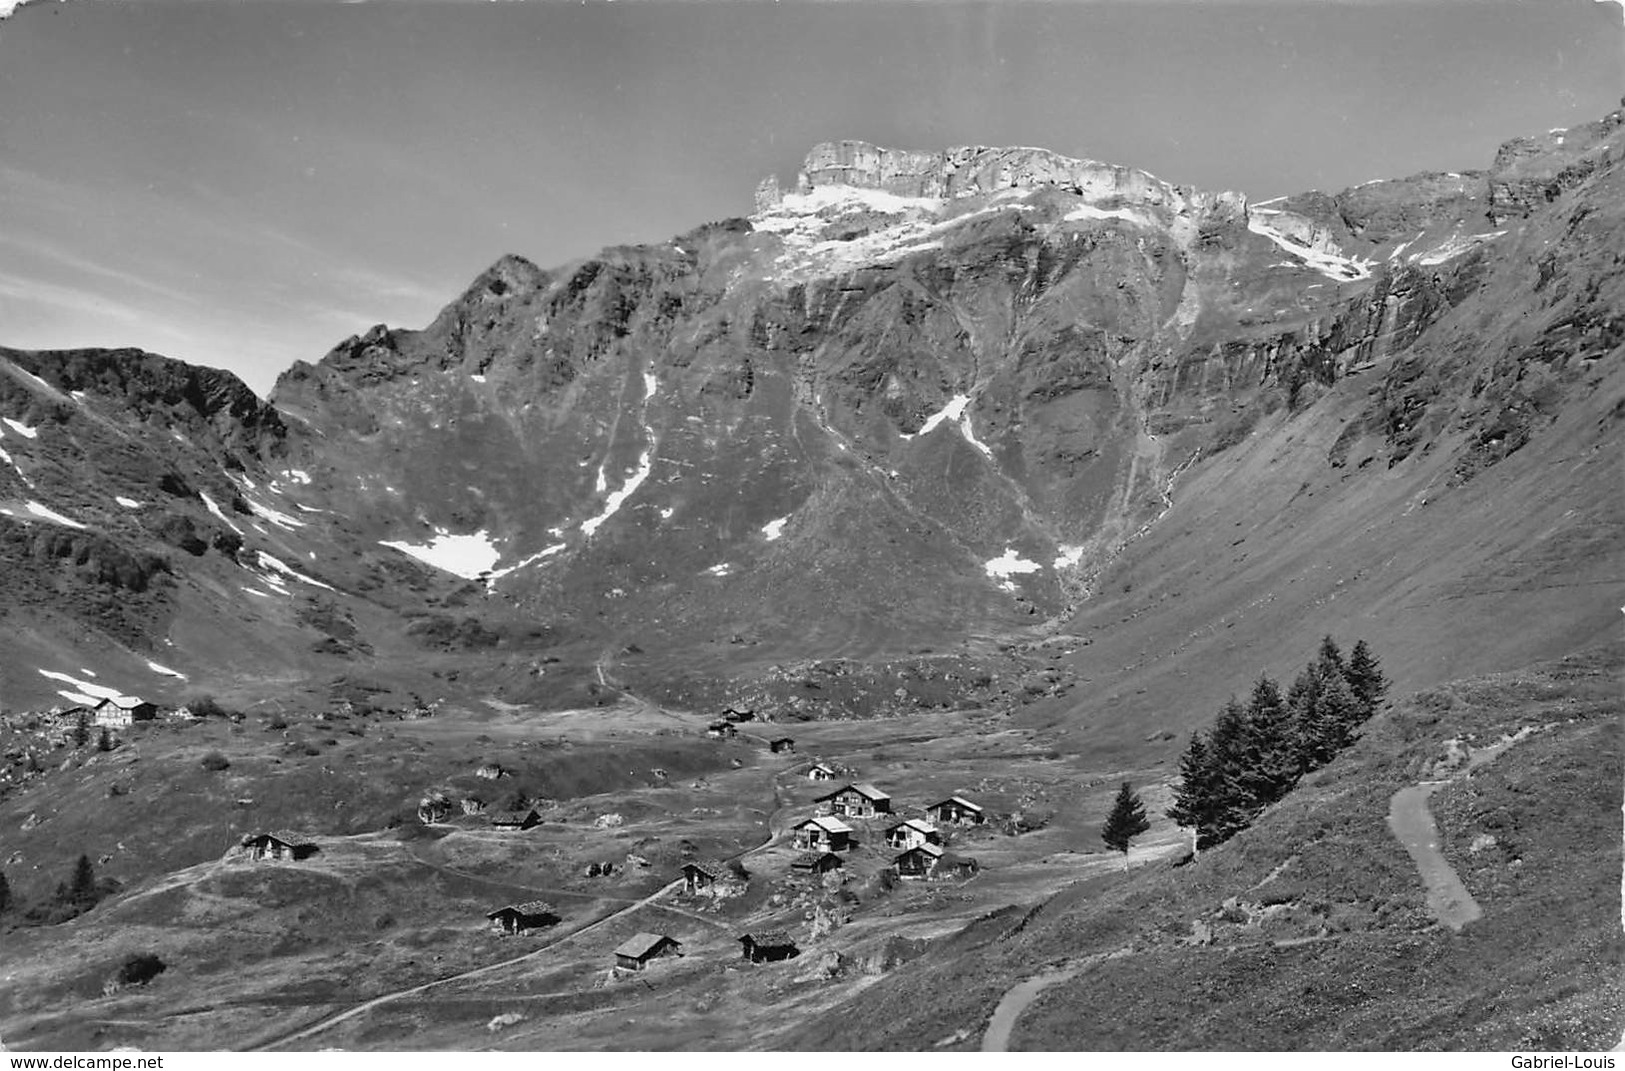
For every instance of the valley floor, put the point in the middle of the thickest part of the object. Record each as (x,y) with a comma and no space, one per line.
(1312,929)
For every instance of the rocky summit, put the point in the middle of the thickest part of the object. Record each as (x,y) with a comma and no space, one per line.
(992,469)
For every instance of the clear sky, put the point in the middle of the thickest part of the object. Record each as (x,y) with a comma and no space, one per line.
(243,184)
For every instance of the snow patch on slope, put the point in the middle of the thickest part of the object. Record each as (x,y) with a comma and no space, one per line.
(214,508)
(774,529)
(546,552)
(1069,557)
(1009,564)
(954,410)
(84,688)
(281,520)
(1453,247)
(7,458)
(1128,215)
(20,428)
(127,503)
(641,473)
(46,513)
(268,562)
(1329,262)
(467,556)
(165,670)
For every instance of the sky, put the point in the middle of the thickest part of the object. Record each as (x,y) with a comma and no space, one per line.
(244,183)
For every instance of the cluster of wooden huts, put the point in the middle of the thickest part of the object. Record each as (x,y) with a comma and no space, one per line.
(726,727)
(920,849)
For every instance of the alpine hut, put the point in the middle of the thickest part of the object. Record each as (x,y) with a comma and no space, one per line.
(824,834)
(816,863)
(520,818)
(517,918)
(278,846)
(118,711)
(956,811)
(918,862)
(702,874)
(767,946)
(857,801)
(636,951)
(911,833)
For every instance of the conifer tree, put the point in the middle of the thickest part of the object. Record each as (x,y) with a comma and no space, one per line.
(1270,766)
(1329,660)
(104,742)
(81,890)
(1126,821)
(1230,806)
(1306,687)
(1193,799)
(81,730)
(1341,714)
(1365,678)
(1311,736)
(5,893)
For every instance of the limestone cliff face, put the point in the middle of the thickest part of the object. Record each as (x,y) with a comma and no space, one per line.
(972,170)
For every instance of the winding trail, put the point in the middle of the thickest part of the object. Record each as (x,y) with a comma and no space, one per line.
(1412,822)
(463,976)
(997,1036)
(329,1021)
(1412,825)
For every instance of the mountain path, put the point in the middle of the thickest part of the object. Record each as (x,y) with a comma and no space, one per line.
(1016,1000)
(335,1019)
(1412,824)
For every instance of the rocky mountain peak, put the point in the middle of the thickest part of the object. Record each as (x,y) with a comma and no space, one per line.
(973,170)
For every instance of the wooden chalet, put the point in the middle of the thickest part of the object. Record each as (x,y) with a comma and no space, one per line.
(733,715)
(918,862)
(783,745)
(767,946)
(823,834)
(635,952)
(820,772)
(816,863)
(517,918)
(911,833)
(957,866)
(120,710)
(702,874)
(525,818)
(721,730)
(857,801)
(957,811)
(278,846)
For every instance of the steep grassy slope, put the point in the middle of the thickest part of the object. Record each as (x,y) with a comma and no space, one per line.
(1449,504)
(1310,930)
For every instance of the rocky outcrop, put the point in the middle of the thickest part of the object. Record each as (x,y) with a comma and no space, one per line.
(972,170)
(1533,171)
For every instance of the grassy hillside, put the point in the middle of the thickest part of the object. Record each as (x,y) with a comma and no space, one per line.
(1311,929)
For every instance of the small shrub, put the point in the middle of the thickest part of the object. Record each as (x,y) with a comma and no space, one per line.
(206,706)
(140,969)
(214,761)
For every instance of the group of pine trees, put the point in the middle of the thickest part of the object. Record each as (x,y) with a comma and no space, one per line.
(81,892)
(1255,753)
